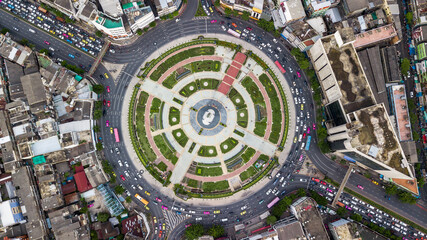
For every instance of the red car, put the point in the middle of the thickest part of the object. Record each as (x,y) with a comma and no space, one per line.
(322,182)
(46,42)
(105,102)
(305,134)
(160,234)
(314,126)
(249,28)
(108,88)
(108,104)
(122,177)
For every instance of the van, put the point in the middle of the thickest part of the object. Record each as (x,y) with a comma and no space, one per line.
(31,30)
(224,220)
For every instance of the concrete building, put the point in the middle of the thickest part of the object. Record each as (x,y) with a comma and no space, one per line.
(290,11)
(165,7)
(400,112)
(344,229)
(303,34)
(254,7)
(289,229)
(317,8)
(111,8)
(30,206)
(68,225)
(114,28)
(13,51)
(138,14)
(359,127)
(352,7)
(305,210)
(10,214)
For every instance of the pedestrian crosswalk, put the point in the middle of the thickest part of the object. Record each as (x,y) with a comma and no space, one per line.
(202,17)
(173,219)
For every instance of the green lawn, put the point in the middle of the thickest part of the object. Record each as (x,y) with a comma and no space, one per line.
(208,83)
(236,98)
(192,183)
(155,105)
(251,171)
(174,114)
(164,148)
(242,120)
(163,67)
(208,171)
(189,89)
(182,139)
(254,91)
(215,186)
(275,106)
(260,128)
(162,166)
(170,81)
(248,154)
(228,145)
(140,128)
(205,151)
(207,65)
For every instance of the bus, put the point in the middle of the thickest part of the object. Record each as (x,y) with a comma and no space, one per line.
(234,33)
(116,135)
(145,202)
(273,202)
(280,66)
(307,146)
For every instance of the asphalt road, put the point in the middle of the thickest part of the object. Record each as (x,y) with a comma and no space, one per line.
(143,47)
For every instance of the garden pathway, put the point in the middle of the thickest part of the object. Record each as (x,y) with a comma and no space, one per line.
(184,162)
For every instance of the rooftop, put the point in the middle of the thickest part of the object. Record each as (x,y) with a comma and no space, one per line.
(305,210)
(82,182)
(13,51)
(293,10)
(33,88)
(132,225)
(375,35)
(401,112)
(291,230)
(372,134)
(111,7)
(47,145)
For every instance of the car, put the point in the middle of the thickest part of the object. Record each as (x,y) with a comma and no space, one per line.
(158,199)
(314,126)
(360,186)
(234,25)
(140,187)
(244,207)
(206,212)
(46,42)
(127,174)
(107,123)
(224,28)
(199,219)
(302,107)
(308,130)
(237,30)
(133,187)
(100,76)
(269,191)
(304,135)
(217,212)
(71,55)
(299,74)
(213,21)
(123,177)
(411,94)
(111,130)
(210,8)
(126,164)
(51,49)
(108,103)
(249,28)
(117,150)
(243,213)
(148,193)
(106,75)
(139,175)
(374,182)
(295,140)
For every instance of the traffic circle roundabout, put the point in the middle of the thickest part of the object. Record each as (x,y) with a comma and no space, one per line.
(209,118)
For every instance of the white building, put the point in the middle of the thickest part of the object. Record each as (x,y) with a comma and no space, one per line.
(254,7)
(138,15)
(113,28)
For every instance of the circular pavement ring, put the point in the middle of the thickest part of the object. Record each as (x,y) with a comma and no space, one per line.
(285,87)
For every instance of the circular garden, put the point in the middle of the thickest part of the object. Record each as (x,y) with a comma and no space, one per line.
(208,117)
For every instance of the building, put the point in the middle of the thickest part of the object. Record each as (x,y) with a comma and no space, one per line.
(36,225)
(254,7)
(400,112)
(114,28)
(303,34)
(305,210)
(13,51)
(165,7)
(82,182)
(138,15)
(390,62)
(359,127)
(344,229)
(10,213)
(35,92)
(133,226)
(352,7)
(317,8)
(290,11)
(111,201)
(289,229)
(67,224)
(111,8)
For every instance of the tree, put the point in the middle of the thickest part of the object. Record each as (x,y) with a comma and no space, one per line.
(99,146)
(228,12)
(93,235)
(113,179)
(4,31)
(128,199)
(271,220)
(44,51)
(266,25)
(146,29)
(24,41)
(216,231)
(139,32)
(421,182)
(98,88)
(99,34)
(97,114)
(194,231)
(409,17)
(84,209)
(153,24)
(391,189)
(319,199)
(217,3)
(96,128)
(301,192)
(341,211)
(406,197)
(246,15)
(119,190)
(405,65)
(103,216)
(356,217)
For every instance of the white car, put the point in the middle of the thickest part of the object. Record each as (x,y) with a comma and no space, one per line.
(199,219)
(126,164)
(244,207)
(192,212)
(223,28)
(268,192)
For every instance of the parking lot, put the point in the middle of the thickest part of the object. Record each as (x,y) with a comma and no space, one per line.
(49,23)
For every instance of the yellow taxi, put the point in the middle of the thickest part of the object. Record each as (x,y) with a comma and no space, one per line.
(146,207)
(237,30)
(217,211)
(302,107)
(92,39)
(71,35)
(84,41)
(114,174)
(154,219)
(148,193)
(210,8)
(295,140)
(111,130)
(51,31)
(243,213)
(106,75)
(374,182)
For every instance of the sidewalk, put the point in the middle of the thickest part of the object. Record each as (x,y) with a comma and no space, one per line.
(169,191)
